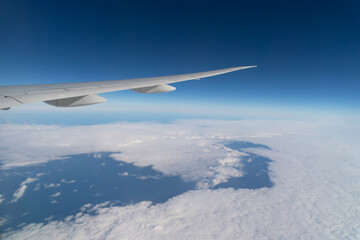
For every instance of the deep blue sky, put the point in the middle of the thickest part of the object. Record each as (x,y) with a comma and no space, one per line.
(308,52)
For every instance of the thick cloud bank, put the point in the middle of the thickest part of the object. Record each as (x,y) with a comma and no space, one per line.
(316,172)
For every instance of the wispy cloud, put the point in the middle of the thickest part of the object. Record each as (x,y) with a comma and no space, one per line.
(55,195)
(1,198)
(52,185)
(22,189)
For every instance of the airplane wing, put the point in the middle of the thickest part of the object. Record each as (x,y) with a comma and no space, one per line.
(84,93)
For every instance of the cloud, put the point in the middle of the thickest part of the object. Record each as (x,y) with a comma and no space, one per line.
(55,195)
(52,185)
(70,181)
(1,198)
(19,193)
(193,149)
(37,187)
(3,221)
(315,171)
(22,189)
(189,149)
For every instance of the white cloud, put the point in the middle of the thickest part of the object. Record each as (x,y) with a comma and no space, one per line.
(52,185)
(315,170)
(3,221)
(55,195)
(70,181)
(186,148)
(1,198)
(19,193)
(123,174)
(37,187)
(22,189)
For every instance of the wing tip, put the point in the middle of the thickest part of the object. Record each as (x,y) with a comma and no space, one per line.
(246,67)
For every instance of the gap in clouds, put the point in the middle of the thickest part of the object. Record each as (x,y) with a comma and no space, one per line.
(255,168)
(63,187)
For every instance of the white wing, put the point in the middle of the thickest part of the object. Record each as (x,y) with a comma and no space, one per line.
(84,93)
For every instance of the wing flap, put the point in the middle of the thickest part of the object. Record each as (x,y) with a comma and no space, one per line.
(155,89)
(8,102)
(76,101)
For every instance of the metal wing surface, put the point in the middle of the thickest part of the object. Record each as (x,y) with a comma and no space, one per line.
(84,93)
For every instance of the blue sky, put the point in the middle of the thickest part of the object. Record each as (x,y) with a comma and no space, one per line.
(307,51)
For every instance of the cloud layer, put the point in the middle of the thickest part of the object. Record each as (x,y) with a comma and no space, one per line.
(315,170)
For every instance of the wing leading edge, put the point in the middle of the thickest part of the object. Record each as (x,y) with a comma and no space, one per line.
(84,93)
